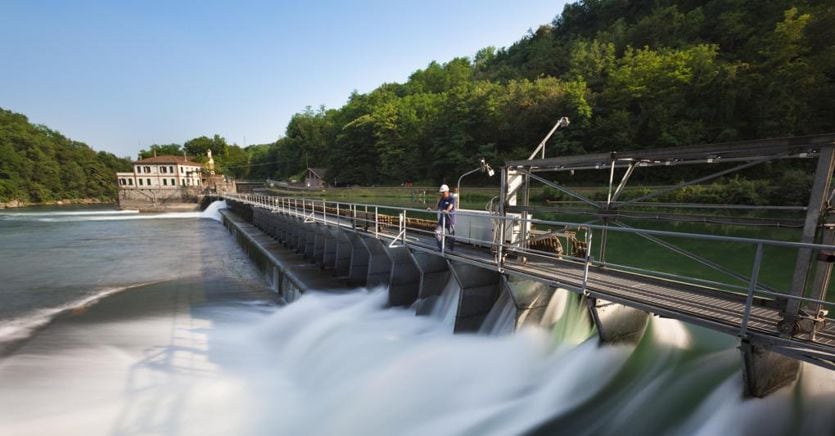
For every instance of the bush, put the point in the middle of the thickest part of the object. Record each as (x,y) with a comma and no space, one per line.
(792,188)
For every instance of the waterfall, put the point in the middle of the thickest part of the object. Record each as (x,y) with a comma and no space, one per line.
(502,317)
(446,308)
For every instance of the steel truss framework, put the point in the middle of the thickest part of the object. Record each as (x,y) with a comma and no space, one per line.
(745,154)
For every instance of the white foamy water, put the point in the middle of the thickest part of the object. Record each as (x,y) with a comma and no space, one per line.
(211,212)
(67,213)
(343,364)
(24,325)
(202,351)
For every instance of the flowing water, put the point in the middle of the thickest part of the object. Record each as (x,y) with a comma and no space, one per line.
(127,324)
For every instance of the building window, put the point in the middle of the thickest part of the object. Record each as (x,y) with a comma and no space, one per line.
(173,182)
(138,169)
(140,182)
(183,182)
(165,182)
(163,170)
(130,182)
(181,170)
(148,170)
(149,182)
(121,181)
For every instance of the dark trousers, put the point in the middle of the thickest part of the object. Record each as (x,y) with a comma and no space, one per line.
(444,221)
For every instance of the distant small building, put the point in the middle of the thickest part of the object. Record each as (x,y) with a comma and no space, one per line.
(161,182)
(314,178)
(162,172)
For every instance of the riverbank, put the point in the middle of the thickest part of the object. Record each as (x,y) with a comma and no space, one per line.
(143,206)
(14,204)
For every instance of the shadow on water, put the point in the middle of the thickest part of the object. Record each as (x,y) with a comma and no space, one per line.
(162,388)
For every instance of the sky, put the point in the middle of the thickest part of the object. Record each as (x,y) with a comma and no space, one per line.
(122,75)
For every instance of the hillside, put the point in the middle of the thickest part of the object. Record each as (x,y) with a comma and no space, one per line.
(40,165)
(629,74)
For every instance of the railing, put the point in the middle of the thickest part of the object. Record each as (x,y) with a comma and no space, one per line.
(417,227)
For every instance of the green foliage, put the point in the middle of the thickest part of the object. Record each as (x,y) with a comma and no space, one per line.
(629,74)
(234,162)
(198,147)
(161,150)
(38,164)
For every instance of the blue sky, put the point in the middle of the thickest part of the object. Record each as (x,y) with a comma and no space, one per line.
(121,75)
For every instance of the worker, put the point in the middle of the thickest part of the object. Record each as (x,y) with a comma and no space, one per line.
(446,219)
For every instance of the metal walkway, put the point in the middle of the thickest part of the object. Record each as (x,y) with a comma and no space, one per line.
(753,315)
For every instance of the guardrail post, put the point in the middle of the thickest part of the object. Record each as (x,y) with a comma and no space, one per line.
(752,286)
(588,261)
(443,233)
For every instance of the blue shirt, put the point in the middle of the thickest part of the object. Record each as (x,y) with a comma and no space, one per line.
(447,203)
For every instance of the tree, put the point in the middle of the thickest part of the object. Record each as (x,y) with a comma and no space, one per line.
(198,147)
(161,150)
(38,164)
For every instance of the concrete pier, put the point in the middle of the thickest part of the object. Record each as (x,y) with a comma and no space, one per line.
(479,291)
(617,323)
(404,282)
(379,263)
(765,371)
(529,296)
(358,271)
(434,274)
(342,256)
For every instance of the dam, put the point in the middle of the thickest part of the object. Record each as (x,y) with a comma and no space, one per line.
(505,275)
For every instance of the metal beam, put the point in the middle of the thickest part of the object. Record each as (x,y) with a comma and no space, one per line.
(562,189)
(706,262)
(701,179)
(623,181)
(797,147)
(817,203)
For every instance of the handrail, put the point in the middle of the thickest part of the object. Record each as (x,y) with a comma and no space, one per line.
(736,239)
(309,209)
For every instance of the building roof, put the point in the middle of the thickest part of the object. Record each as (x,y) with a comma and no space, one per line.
(168,159)
(319,172)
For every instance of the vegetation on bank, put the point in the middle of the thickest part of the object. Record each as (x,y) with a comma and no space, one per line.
(229,159)
(630,74)
(40,165)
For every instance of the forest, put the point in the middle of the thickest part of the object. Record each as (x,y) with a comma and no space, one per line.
(629,74)
(39,165)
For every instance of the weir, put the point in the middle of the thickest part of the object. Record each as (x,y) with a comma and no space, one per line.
(512,258)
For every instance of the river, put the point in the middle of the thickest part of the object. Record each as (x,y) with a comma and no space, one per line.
(120,323)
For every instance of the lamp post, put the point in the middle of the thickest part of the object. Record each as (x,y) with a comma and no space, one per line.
(484,167)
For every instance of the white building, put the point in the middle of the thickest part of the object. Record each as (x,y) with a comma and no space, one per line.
(162,172)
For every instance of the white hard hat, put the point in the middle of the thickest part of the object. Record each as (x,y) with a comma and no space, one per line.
(444,188)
